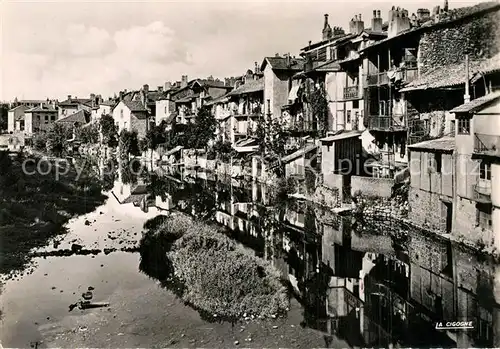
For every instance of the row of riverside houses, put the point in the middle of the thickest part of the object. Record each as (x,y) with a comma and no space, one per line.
(413,95)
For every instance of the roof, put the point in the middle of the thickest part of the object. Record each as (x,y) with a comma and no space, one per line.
(299,153)
(328,66)
(108,103)
(75,101)
(445,18)
(19,107)
(81,116)
(281,63)
(477,104)
(343,135)
(452,75)
(185,99)
(336,39)
(135,106)
(211,83)
(221,99)
(45,108)
(249,87)
(445,144)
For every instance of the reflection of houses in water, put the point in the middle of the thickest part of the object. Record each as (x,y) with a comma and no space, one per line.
(364,287)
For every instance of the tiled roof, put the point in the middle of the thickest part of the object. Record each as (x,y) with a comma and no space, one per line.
(45,108)
(281,63)
(211,83)
(445,144)
(446,18)
(337,39)
(81,116)
(452,75)
(135,106)
(221,99)
(477,104)
(249,87)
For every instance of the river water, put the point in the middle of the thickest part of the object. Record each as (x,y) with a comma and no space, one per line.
(349,289)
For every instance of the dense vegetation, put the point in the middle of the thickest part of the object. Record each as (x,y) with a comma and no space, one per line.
(35,206)
(210,271)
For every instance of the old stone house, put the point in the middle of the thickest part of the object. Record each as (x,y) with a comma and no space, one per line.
(132,116)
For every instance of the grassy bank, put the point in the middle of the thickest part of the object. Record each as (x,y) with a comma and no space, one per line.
(35,206)
(211,272)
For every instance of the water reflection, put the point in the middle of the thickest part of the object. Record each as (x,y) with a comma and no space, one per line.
(368,288)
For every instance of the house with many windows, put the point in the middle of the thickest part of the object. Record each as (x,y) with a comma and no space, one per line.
(132,116)
(39,118)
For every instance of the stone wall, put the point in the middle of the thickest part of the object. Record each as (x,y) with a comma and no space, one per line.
(139,125)
(477,36)
(371,186)
(425,209)
(465,224)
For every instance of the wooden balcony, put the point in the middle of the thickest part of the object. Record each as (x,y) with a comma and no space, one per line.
(486,145)
(351,92)
(384,123)
(403,75)
(377,79)
(482,193)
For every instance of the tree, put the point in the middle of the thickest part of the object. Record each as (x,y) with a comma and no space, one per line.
(88,134)
(271,135)
(204,128)
(108,130)
(319,107)
(57,138)
(156,135)
(129,143)
(4,111)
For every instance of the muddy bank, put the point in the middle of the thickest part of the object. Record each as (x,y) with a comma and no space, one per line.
(36,202)
(211,272)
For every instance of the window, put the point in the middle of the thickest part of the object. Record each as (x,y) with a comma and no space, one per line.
(165,110)
(121,113)
(483,218)
(439,161)
(348,117)
(452,127)
(125,125)
(463,126)
(485,171)
(355,104)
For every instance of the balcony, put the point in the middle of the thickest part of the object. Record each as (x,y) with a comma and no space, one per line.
(487,145)
(377,79)
(384,123)
(482,192)
(351,92)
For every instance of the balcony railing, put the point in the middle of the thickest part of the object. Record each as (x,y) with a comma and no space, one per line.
(378,122)
(487,145)
(302,126)
(402,75)
(482,192)
(351,92)
(377,79)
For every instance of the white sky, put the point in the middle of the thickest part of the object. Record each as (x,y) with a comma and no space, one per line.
(53,49)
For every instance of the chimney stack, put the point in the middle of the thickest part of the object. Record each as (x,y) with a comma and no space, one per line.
(160,89)
(466,95)
(398,21)
(327,30)
(376,21)
(121,95)
(356,25)
(168,85)
(184,81)
(257,68)
(69,98)
(423,15)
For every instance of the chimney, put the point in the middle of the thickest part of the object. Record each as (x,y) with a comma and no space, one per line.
(160,89)
(356,25)
(168,85)
(445,7)
(310,43)
(184,80)
(398,21)
(376,22)
(257,68)
(69,98)
(121,95)
(288,60)
(423,15)
(277,55)
(327,30)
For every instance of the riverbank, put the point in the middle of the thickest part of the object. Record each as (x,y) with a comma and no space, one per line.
(36,202)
